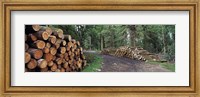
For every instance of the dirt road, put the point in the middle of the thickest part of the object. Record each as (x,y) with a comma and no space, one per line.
(121,64)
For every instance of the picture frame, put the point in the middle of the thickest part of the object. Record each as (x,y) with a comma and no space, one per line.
(120,5)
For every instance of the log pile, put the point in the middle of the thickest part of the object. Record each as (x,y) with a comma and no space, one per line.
(136,53)
(133,53)
(49,50)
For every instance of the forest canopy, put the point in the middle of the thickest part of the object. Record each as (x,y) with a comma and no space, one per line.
(159,39)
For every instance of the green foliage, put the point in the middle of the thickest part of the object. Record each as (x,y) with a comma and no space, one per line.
(94,62)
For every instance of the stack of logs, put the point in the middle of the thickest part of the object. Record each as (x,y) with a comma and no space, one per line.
(130,52)
(136,53)
(49,50)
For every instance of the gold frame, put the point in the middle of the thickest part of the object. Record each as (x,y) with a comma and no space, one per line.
(190,5)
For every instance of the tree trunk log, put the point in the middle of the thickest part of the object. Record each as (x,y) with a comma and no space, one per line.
(42,63)
(48,57)
(53,51)
(35,53)
(42,35)
(32,64)
(27,57)
(39,44)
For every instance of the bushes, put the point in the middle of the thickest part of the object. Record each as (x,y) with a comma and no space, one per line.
(94,62)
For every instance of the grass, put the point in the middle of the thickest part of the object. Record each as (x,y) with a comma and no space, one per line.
(93,65)
(169,66)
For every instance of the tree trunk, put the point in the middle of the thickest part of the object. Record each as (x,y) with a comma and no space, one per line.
(133,35)
(163,36)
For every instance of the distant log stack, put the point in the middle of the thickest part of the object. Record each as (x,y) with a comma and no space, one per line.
(49,50)
(136,53)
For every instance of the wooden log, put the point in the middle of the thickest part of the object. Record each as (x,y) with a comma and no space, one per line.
(68,70)
(32,64)
(50,63)
(48,45)
(46,29)
(59,66)
(58,33)
(31,28)
(70,61)
(42,35)
(60,55)
(79,64)
(66,65)
(69,44)
(42,63)
(69,53)
(58,70)
(54,58)
(39,44)
(78,43)
(62,70)
(27,57)
(81,49)
(26,47)
(36,27)
(74,46)
(68,38)
(58,61)
(35,53)
(63,61)
(48,57)
(44,69)
(58,41)
(52,39)
(66,57)
(45,50)
(68,48)
(63,43)
(73,41)
(54,67)
(57,46)
(72,49)
(31,38)
(62,50)
(53,51)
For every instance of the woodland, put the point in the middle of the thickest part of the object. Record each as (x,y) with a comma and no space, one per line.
(158,39)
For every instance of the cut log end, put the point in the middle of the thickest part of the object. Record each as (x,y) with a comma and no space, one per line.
(27,57)
(32,64)
(45,35)
(39,44)
(53,50)
(35,53)
(36,27)
(42,63)
(48,57)
(46,50)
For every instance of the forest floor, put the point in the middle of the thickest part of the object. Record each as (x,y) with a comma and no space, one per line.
(121,64)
